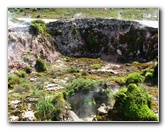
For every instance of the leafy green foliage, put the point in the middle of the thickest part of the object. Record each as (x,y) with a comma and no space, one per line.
(81,85)
(21,73)
(45,108)
(95,66)
(13,79)
(40,65)
(120,80)
(135,78)
(23,86)
(38,27)
(149,73)
(50,108)
(133,103)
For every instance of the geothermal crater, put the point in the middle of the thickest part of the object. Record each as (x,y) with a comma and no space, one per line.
(88,61)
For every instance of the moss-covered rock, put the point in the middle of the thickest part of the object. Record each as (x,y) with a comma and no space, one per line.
(38,27)
(133,104)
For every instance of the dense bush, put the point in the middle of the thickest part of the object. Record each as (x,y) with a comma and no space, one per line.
(135,78)
(133,103)
(51,108)
(38,27)
(40,65)
(13,79)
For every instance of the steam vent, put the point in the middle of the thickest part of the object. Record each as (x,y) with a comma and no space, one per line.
(82,69)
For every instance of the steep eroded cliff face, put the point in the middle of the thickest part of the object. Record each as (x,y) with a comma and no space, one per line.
(110,39)
(24,48)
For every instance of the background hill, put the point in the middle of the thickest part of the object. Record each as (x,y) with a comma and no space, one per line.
(67,13)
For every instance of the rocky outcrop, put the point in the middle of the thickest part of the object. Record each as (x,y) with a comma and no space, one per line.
(110,39)
(24,48)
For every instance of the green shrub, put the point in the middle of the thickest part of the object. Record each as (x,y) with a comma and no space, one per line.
(120,80)
(95,66)
(13,79)
(37,92)
(40,65)
(51,108)
(21,73)
(149,74)
(133,104)
(81,85)
(45,108)
(135,78)
(23,86)
(38,27)
(28,69)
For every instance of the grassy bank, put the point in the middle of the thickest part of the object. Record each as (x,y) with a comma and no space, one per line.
(67,13)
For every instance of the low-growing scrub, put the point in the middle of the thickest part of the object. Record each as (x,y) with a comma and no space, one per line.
(120,80)
(51,108)
(38,27)
(135,78)
(73,69)
(23,86)
(13,79)
(95,66)
(21,73)
(81,85)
